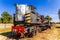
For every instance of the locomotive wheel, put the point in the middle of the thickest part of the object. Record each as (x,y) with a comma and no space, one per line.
(30,35)
(49,27)
(26,35)
(39,30)
(13,34)
(34,32)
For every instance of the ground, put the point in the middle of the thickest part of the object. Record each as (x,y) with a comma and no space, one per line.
(49,34)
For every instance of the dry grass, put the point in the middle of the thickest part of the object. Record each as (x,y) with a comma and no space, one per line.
(5,30)
(57,25)
(58,29)
(58,34)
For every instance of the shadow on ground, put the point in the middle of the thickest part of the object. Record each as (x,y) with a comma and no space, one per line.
(9,35)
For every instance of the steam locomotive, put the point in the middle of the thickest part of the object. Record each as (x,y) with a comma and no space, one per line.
(27,22)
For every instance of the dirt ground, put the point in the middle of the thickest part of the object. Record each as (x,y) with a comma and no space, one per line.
(49,34)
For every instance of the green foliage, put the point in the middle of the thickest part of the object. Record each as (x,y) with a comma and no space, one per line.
(0,20)
(48,18)
(6,17)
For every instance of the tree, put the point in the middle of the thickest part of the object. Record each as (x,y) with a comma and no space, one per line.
(6,17)
(48,18)
(0,20)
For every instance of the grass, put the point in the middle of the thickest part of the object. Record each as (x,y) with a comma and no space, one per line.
(5,30)
(58,29)
(58,33)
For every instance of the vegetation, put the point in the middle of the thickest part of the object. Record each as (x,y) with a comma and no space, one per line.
(0,20)
(48,18)
(2,30)
(6,17)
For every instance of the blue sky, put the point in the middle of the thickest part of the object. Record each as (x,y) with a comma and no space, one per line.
(43,7)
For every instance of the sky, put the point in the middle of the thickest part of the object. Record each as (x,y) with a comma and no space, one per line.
(43,7)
